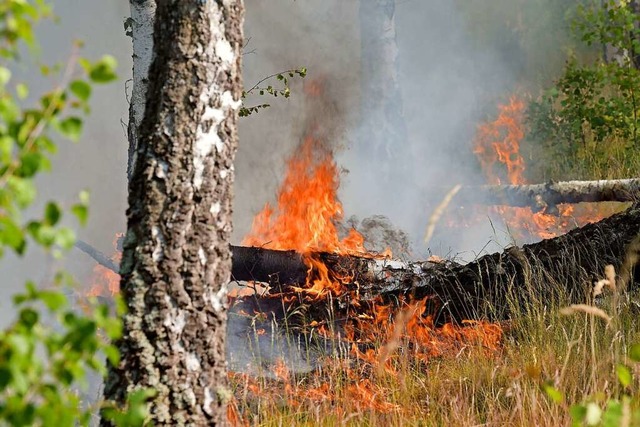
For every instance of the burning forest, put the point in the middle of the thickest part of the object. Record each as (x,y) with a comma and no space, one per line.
(311,297)
(310,302)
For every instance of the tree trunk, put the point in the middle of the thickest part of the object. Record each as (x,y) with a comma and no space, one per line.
(383,126)
(140,28)
(176,260)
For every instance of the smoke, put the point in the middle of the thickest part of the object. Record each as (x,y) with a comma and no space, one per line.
(448,80)
(447,85)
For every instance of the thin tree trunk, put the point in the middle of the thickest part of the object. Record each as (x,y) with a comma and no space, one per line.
(176,260)
(140,28)
(382,112)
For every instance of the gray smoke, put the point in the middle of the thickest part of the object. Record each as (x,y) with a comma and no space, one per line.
(449,81)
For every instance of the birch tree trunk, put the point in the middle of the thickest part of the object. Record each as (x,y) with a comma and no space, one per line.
(383,122)
(140,28)
(176,260)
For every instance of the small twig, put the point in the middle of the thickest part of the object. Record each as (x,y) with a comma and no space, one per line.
(255,86)
(98,256)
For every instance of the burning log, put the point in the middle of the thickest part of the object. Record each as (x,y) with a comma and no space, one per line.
(249,264)
(488,287)
(484,288)
(546,196)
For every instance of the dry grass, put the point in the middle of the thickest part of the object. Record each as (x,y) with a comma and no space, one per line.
(551,358)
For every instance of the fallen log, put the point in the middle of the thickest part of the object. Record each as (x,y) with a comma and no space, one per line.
(489,287)
(548,195)
(249,264)
(494,285)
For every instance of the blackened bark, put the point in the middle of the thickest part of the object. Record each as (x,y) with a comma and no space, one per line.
(176,260)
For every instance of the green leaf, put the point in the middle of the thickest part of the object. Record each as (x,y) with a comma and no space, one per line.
(5,76)
(5,377)
(624,375)
(54,300)
(81,212)
(113,355)
(71,127)
(42,233)
(52,213)
(24,190)
(12,235)
(6,148)
(613,414)
(32,163)
(29,317)
(65,238)
(81,89)
(553,393)
(22,90)
(634,352)
(84,197)
(104,70)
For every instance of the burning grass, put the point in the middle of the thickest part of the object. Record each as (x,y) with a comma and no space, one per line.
(544,363)
(387,362)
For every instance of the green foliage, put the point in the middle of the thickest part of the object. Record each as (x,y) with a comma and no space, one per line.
(44,356)
(49,350)
(284,90)
(614,412)
(17,19)
(587,123)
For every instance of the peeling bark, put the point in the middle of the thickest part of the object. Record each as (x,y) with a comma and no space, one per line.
(176,261)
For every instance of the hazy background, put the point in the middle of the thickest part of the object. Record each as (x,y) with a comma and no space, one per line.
(456,60)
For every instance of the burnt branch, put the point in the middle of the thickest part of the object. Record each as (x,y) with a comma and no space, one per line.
(98,256)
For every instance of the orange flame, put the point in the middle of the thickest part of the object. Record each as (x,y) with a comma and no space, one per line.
(307,215)
(308,207)
(497,147)
(306,219)
(104,281)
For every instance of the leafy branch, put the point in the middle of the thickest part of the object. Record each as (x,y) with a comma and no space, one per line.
(284,89)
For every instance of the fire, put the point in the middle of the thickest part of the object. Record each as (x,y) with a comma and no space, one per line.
(381,334)
(497,147)
(307,214)
(104,281)
(308,207)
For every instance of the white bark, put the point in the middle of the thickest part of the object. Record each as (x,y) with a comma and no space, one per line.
(143,14)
